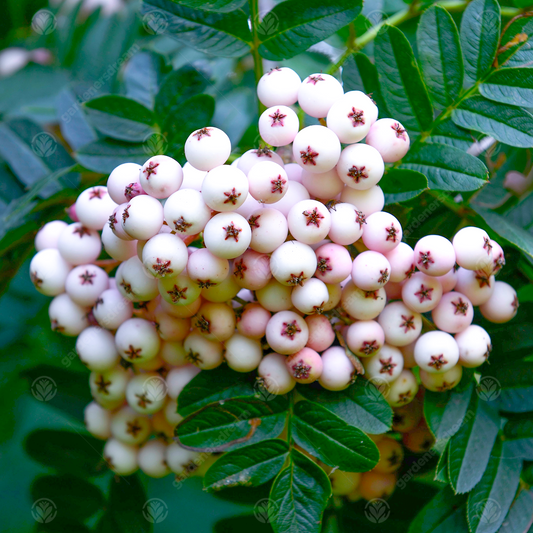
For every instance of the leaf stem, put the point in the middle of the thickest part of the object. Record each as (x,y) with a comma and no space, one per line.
(258,61)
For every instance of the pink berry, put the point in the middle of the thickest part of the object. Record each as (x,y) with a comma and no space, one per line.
(121,179)
(400,325)
(165,255)
(207,148)
(85,283)
(436,351)
(253,321)
(316,149)
(382,232)
(269,229)
(251,270)
(274,375)
(365,338)
(475,285)
(317,93)
(389,138)
(337,370)
(279,86)
(325,185)
(186,212)
(293,263)
(242,354)
(309,221)
(454,312)
(360,304)
(321,334)
(79,245)
(94,206)
(360,166)
(311,297)
(227,235)
(401,261)
(503,304)
(161,176)
(49,272)
(368,201)
(258,155)
(384,366)
(434,255)
(225,188)
(370,271)
(142,218)
(278,125)
(296,192)
(304,366)
(267,182)
(334,263)
(347,224)
(421,293)
(473,249)
(287,332)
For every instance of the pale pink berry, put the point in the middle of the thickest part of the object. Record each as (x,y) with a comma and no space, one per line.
(309,221)
(293,263)
(449,280)
(97,421)
(202,352)
(421,293)
(370,271)
(111,309)
(367,202)
(338,372)
(142,218)
(134,282)
(161,176)
(215,321)
(294,172)
(274,375)
(321,334)
(316,149)
(143,393)
(269,229)
(389,138)
(179,290)
(400,325)
(258,155)
(268,182)
(443,381)
(242,354)
(114,222)
(192,178)
(48,235)
(278,125)
(227,235)
(165,255)
(335,294)
(287,332)
(186,213)
(253,321)
(503,304)
(473,249)
(85,283)
(454,312)
(434,255)
(121,458)
(334,263)
(279,86)
(382,232)
(384,366)
(365,337)
(49,272)
(207,269)
(311,297)
(178,377)
(122,181)
(317,93)
(304,366)
(347,224)
(401,261)
(96,349)
(394,290)
(362,305)
(402,390)
(251,270)
(66,316)
(274,296)
(436,351)
(498,259)
(137,340)
(325,186)
(475,285)
(207,148)
(171,329)
(408,353)
(79,245)
(296,192)
(360,166)
(225,188)
(117,248)
(474,346)
(93,207)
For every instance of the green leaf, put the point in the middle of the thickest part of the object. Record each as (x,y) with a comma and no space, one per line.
(470,447)
(360,74)
(520,516)
(447,168)
(480,32)
(441,59)
(74,497)
(219,34)
(130,510)
(445,513)
(105,155)
(142,77)
(72,453)
(521,428)
(404,91)
(291,27)
(515,46)
(441,473)
(176,88)
(232,424)
(220,6)
(120,118)
(448,133)
(332,440)
(512,86)
(516,384)
(491,498)
(514,234)
(361,405)
(445,411)
(222,383)
(400,185)
(248,467)
(298,497)
(509,125)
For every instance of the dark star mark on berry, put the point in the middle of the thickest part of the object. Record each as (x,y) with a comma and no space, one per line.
(515,303)
(308,156)
(194,357)
(240,269)
(410,272)
(318,309)
(369,347)
(392,233)
(133,353)
(290,329)
(424,293)
(300,370)
(437,361)
(398,419)
(499,263)
(425,259)
(35,279)
(296,279)
(394,458)
(487,245)
(253,221)
(404,397)
(357,173)
(408,323)
(232,196)
(360,218)
(112,220)
(98,302)
(177,294)
(162,267)
(133,428)
(482,279)
(357,117)
(264,151)
(204,132)
(125,213)
(372,294)
(315,78)
(445,386)
(87,278)
(142,400)
(332,205)
(489,349)
(456,267)
(205,284)
(102,385)
(426,444)
(56,326)
(126,287)
(203,324)
(82,230)
(109,462)
(277,119)
(387,366)
(277,184)
(274,69)
(96,192)
(399,131)
(232,231)
(461,307)
(323,265)
(150,169)
(190,466)
(182,225)
(313,217)
(384,276)
(132,190)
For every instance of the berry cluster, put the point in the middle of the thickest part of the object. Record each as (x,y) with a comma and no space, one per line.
(281,262)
